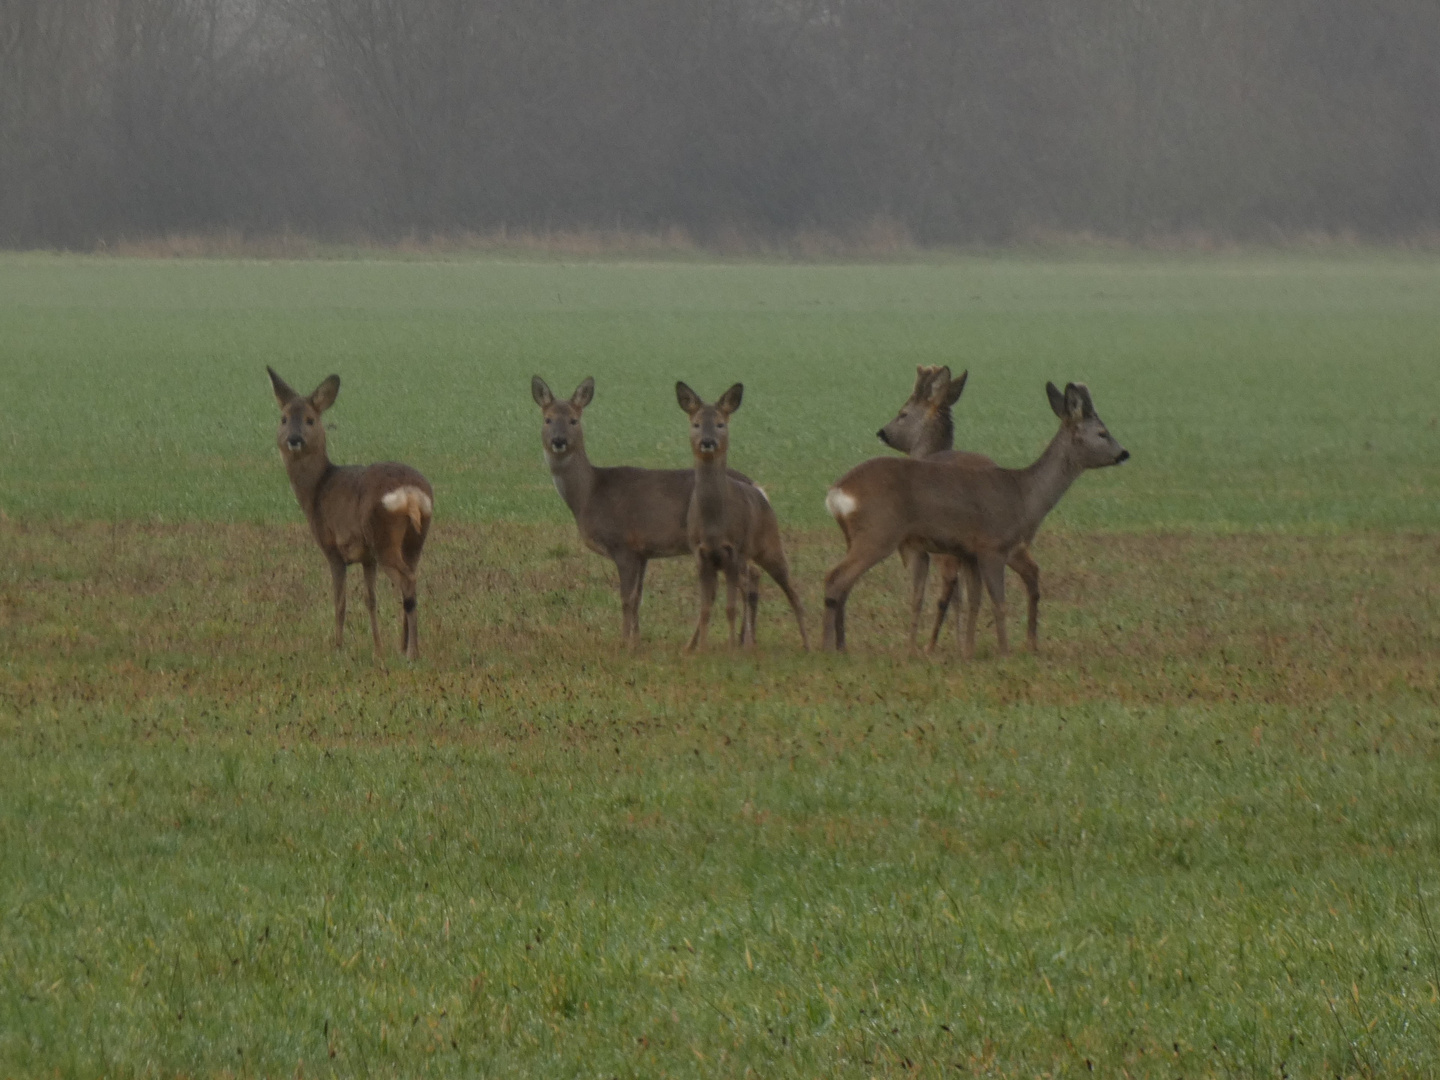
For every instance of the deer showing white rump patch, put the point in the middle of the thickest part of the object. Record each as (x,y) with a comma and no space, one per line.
(841,504)
(410,501)
(342,503)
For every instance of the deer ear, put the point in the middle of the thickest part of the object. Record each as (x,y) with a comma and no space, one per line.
(326,393)
(283,394)
(939,383)
(1057,401)
(584,393)
(688,399)
(924,377)
(540,392)
(1077,401)
(956,388)
(730,400)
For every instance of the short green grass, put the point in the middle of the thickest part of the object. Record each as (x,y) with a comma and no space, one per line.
(1196,837)
(1254,392)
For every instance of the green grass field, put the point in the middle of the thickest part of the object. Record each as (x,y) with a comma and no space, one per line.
(1198,836)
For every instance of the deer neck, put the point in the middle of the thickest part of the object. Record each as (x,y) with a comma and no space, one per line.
(574,478)
(1046,481)
(307,475)
(712,485)
(937,438)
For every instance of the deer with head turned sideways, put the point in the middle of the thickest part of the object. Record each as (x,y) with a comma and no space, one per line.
(958,506)
(729,524)
(924,425)
(924,428)
(629,515)
(374,515)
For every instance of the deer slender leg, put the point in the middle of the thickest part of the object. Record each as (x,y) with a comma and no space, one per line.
(369,568)
(411,550)
(959,592)
(779,571)
(752,602)
(411,544)
(949,584)
(337,580)
(971,570)
(919,572)
(404,580)
(707,600)
(992,572)
(831,635)
(636,596)
(632,583)
(1024,564)
(839,582)
(734,570)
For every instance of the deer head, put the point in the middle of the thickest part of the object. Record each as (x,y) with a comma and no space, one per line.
(709,424)
(301,433)
(560,432)
(923,424)
(1090,442)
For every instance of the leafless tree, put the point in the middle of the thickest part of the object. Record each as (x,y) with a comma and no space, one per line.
(959,119)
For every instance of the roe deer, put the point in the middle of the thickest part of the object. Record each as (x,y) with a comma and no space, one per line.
(627,514)
(370,514)
(925,428)
(729,523)
(977,511)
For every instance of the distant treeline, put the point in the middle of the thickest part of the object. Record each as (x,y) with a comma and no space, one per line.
(955,120)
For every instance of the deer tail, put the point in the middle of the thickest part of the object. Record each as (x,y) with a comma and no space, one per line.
(410,501)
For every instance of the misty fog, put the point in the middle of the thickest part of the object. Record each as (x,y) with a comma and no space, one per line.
(952,120)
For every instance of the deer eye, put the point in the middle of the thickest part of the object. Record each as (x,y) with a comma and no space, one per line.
(904,413)
(309,421)
(574,422)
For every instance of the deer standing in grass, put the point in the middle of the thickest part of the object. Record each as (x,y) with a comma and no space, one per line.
(629,515)
(958,506)
(730,524)
(374,515)
(924,428)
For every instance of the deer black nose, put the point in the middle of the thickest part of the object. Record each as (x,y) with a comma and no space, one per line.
(295,444)
(881,436)
(1124,456)
(707,445)
(559,445)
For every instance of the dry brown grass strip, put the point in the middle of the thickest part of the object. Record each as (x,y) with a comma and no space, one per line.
(520,617)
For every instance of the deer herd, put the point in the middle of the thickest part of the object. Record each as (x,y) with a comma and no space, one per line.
(972,516)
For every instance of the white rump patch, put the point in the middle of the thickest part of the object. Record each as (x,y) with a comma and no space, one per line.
(402,499)
(841,504)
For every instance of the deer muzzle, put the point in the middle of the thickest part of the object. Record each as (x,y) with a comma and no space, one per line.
(559,446)
(295,443)
(1124,456)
